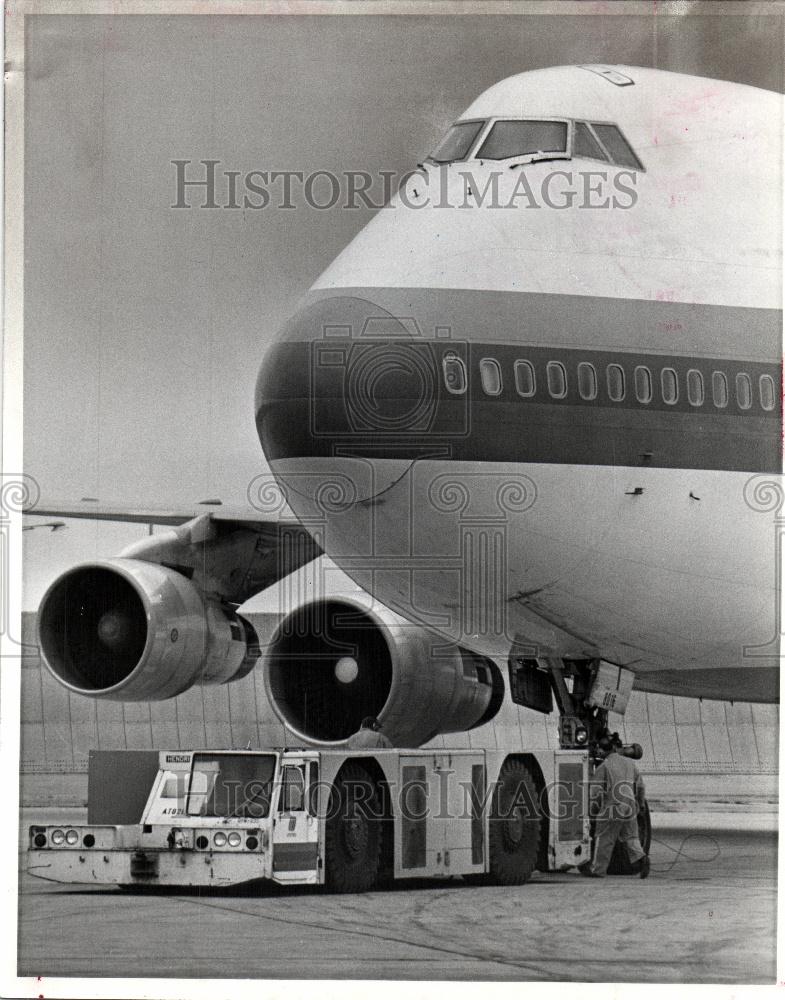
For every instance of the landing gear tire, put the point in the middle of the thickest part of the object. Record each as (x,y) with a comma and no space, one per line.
(620,863)
(514,827)
(352,834)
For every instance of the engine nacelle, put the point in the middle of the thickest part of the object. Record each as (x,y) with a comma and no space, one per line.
(333,662)
(129,630)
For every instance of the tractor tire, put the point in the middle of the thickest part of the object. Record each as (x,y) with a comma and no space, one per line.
(352,834)
(620,863)
(514,827)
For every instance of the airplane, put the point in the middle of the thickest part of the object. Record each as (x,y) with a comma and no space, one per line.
(533,408)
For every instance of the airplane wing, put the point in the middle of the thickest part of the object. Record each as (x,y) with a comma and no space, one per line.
(90,509)
(234,553)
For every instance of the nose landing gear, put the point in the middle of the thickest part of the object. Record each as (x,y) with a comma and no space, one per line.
(582,689)
(584,692)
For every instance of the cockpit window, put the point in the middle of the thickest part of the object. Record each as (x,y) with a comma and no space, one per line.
(457,143)
(617,146)
(523,138)
(511,138)
(585,146)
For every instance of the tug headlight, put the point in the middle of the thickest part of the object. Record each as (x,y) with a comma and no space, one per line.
(235,839)
(581,736)
(219,839)
(72,837)
(58,837)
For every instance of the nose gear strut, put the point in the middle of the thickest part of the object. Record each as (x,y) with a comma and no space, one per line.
(580,723)
(584,692)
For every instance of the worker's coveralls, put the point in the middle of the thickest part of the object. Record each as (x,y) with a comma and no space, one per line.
(620,793)
(368,738)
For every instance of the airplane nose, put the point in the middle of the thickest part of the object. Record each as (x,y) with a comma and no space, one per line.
(344,372)
(349,387)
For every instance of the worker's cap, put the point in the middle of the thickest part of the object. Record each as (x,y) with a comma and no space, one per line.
(369,722)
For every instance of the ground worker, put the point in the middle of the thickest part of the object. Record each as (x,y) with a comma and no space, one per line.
(369,735)
(620,795)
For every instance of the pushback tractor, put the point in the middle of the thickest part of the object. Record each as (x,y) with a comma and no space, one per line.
(351,821)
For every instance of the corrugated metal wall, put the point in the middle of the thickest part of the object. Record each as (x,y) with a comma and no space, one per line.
(59,730)
(676,734)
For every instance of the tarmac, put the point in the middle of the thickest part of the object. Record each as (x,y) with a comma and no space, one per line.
(706,914)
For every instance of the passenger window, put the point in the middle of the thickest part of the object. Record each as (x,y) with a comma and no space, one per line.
(524,378)
(454,374)
(743,391)
(617,146)
(585,146)
(615,379)
(587,380)
(557,379)
(643,389)
(670,386)
(719,389)
(695,387)
(767,392)
(491,377)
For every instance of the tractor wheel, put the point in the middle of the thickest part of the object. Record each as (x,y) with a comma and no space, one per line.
(620,863)
(514,826)
(353,832)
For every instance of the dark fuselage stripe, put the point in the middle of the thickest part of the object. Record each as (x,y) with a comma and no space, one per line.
(313,407)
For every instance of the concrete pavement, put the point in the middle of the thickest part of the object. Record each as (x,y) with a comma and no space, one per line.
(705,915)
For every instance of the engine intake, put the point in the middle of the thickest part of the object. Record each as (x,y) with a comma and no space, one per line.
(332,662)
(128,630)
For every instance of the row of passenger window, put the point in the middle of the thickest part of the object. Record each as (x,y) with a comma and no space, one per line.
(643,383)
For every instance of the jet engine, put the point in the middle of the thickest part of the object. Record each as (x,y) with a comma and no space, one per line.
(332,662)
(129,630)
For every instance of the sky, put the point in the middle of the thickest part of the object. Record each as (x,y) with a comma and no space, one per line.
(145,325)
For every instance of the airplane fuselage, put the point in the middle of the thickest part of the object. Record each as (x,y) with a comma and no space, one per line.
(553,423)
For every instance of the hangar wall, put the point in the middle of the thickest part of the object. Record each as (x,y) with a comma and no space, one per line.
(678,735)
